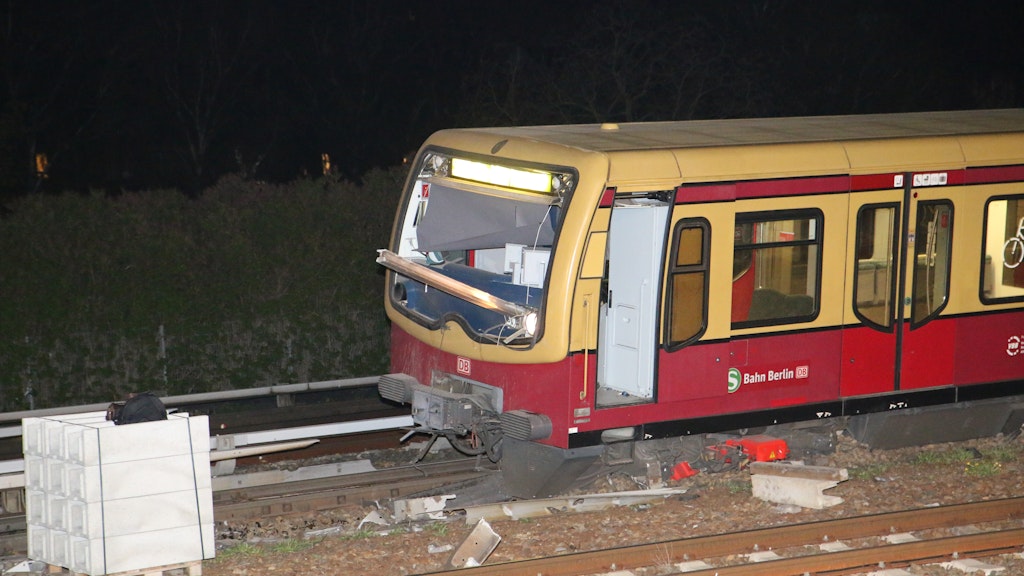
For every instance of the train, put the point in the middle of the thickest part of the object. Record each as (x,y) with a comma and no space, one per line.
(569,295)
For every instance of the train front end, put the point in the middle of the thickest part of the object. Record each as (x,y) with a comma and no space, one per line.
(479,297)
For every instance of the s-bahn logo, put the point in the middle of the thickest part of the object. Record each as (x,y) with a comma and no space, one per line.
(786,374)
(1013,346)
(735,378)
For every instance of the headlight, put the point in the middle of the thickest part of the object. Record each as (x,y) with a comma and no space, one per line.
(530,323)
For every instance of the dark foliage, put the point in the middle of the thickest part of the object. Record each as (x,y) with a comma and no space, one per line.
(249,284)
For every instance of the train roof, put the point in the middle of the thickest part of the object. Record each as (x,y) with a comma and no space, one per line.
(790,130)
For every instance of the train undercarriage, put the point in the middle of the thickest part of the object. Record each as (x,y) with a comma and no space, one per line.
(469,420)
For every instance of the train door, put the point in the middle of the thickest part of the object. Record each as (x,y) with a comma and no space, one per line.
(870,338)
(928,341)
(899,243)
(627,340)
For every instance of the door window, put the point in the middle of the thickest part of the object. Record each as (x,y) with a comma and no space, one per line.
(933,240)
(876,252)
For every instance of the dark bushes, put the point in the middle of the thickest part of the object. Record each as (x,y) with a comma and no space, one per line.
(249,284)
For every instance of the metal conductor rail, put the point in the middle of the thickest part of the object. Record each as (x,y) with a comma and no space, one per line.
(225,449)
(187,399)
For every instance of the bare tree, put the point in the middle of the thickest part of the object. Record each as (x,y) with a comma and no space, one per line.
(201,67)
(627,62)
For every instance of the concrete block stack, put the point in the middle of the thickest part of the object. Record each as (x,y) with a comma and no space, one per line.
(104,499)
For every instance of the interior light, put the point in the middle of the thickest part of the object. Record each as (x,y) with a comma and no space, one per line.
(498,175)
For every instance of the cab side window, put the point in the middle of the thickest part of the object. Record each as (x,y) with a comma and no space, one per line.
(687,306)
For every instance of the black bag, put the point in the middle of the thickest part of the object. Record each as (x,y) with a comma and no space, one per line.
(140,407)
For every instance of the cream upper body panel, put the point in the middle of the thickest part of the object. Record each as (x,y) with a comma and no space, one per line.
(660,156)
(649,154)
(592,169)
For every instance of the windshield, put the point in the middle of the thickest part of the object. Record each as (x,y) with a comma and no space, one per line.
(467,220)
(468,239)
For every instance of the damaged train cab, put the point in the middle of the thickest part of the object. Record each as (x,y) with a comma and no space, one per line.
(568,296)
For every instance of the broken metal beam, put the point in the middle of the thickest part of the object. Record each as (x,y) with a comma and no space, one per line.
(548,506)
(476,547)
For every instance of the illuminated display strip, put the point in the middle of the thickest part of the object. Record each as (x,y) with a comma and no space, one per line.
(501,175)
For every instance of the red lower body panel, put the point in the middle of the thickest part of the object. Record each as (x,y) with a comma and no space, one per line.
(744,375)
(989,349)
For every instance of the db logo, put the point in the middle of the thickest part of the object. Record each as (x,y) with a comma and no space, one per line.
(1013,345)
(463,366)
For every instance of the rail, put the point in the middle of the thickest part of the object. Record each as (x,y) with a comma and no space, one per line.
(187,399)
(225,449)
(732,547)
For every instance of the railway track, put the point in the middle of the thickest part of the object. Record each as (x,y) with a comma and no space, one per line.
(847,546)
(331,412)
(325,493)
(243,502)
(258,415)
(248,410)
(252,495)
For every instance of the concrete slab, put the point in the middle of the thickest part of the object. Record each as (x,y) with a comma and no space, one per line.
(972,567)
(785,483)
(174,436)
(803,492)
(901,538)
(135,478)
(139,552)
(140,514)
(763,556)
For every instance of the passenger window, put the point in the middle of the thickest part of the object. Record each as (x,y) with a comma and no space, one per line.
(1003,250)
(781,252)
(934,239)
(688,282)
(873,277)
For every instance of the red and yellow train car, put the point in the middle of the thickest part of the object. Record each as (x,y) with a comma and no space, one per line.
(558,291)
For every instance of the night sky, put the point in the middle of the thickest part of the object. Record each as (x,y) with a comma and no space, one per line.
(130,95)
